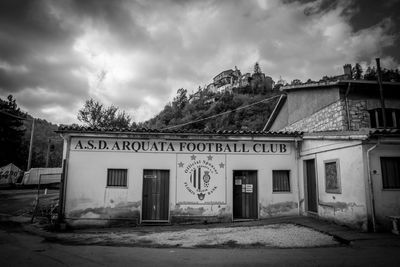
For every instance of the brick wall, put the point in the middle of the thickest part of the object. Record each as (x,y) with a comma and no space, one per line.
(334,118)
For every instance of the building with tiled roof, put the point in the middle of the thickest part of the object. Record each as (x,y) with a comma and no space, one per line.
(349,158)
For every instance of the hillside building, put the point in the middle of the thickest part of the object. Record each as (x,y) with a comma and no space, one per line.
(228,80)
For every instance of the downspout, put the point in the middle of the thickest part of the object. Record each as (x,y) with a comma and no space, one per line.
(347,106)
(370,185)
(297,147)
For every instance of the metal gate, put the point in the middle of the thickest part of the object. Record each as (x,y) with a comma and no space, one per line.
(245,203)
(155,195)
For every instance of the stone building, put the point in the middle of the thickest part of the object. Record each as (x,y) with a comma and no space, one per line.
(345,105)
(349,163)
(231,79)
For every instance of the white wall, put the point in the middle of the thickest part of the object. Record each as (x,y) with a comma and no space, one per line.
(350,206)
(88,199)
(387,201)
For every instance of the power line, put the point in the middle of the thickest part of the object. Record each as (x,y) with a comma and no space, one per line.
(222,113)
(12,115)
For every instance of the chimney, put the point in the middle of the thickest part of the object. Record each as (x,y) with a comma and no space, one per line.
(347,71)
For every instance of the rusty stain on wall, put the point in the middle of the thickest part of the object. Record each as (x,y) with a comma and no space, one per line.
(278,208)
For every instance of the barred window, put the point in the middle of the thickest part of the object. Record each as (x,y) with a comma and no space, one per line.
(390,172)
(117,177)
(332,177)
(280,181)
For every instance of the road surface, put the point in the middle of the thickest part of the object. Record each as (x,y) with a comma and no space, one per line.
(22,249)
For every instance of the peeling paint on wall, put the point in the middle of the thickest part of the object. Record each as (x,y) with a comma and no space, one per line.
(276,209)
(350,214)
(208,213)
(127,210)
(339,206)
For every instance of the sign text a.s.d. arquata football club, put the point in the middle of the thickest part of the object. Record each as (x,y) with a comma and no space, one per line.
(165,146)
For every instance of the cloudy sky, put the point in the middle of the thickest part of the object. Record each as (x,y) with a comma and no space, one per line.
(135,54)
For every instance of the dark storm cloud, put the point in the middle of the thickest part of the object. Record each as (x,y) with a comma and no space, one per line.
(135,54)
(36,49)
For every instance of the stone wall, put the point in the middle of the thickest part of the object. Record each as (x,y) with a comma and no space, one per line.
(334,118)
(358,113)
(329,118)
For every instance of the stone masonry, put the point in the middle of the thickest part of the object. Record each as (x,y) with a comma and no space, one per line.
(358,113)
(334,118)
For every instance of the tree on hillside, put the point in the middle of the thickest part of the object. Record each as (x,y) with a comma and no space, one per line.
(11,131)
(95,114)
(295,82)
(257,69)
(357,72)
(388,75)
(370,74)
(181,99)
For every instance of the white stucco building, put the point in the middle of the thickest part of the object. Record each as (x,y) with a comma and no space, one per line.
(150,176)
(349,160)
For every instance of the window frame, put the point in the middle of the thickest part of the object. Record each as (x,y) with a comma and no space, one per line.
(383,186)
(289,182)
(338,177)
(392,118)
(116,186)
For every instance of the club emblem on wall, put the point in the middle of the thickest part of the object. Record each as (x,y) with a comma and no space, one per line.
(200,173)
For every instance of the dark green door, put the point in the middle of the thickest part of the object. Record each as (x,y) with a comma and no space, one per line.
(245,204)
(155,195)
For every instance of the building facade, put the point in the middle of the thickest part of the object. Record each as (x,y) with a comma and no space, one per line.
(149,176)
(349,162)
(326,156)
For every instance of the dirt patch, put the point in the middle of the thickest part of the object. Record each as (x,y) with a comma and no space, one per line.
(278,235)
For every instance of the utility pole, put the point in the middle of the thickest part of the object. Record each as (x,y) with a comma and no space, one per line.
(378,68)
(31,145)
(48,153)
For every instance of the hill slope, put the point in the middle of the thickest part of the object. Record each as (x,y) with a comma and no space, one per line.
(253,111)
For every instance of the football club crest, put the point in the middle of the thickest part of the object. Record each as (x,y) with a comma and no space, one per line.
(201,175)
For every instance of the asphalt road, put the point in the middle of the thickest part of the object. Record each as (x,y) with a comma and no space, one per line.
(22,249)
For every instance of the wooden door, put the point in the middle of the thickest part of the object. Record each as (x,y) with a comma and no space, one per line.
(155,195)
(245,205)
(311,186)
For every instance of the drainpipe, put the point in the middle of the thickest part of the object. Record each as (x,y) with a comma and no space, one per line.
(347,106)
(370,185)
(297,146)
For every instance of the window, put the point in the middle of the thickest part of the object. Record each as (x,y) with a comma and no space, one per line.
(280,181)
(390,172)
(392,118)
(332,177)
(117,177)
